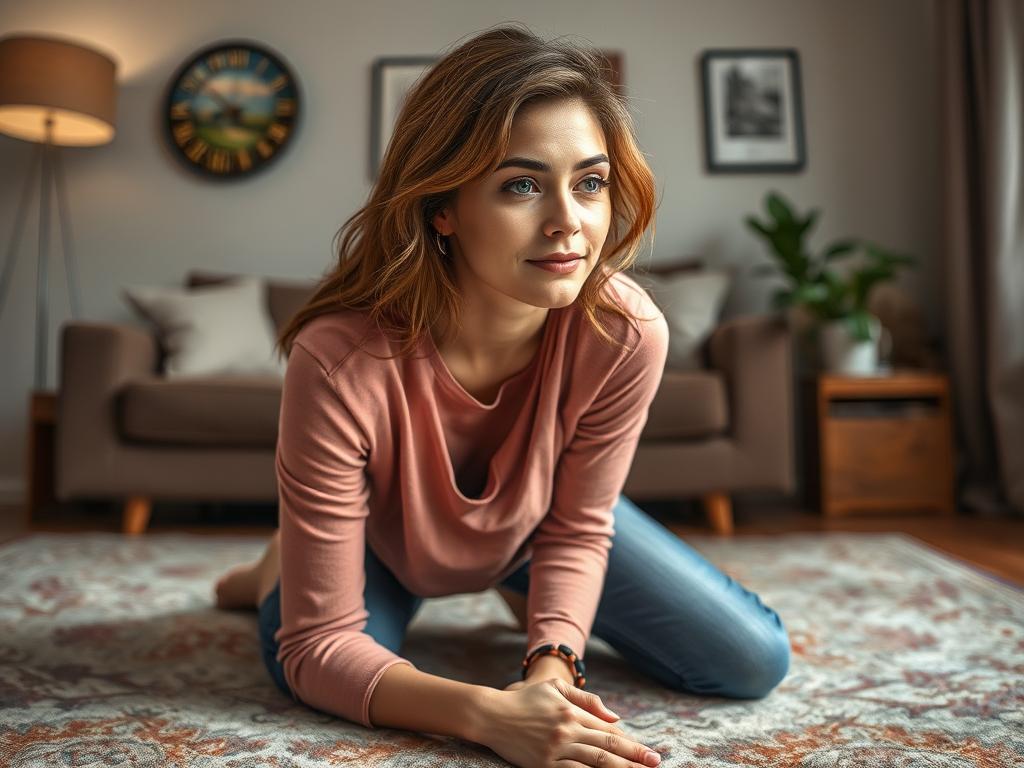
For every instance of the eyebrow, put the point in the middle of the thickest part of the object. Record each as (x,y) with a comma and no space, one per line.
(537,165)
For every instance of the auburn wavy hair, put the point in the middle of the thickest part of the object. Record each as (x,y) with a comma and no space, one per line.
(454,127)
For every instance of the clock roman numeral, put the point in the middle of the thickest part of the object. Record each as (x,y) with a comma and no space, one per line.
(264,149)
(284,107)
(180,110)
(196,150)
(238,58)
(277,132)
(262,66)
(219,161)
(244,161)
(279,82)
(183,132)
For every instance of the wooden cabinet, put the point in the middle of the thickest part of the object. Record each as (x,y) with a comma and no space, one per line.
(880,443)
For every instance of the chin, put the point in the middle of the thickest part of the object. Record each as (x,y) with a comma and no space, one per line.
(564,297)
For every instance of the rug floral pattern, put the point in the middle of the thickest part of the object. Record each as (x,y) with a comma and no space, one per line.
(112,654)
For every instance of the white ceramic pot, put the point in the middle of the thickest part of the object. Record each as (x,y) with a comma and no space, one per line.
(841,353)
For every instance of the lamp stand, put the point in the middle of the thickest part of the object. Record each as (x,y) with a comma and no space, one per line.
(47,155)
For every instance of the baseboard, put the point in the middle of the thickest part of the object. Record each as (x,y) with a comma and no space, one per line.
(12,491)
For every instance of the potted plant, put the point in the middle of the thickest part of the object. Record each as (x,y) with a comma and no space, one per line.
(835,304)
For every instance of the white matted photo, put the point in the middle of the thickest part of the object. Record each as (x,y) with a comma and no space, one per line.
(392,78)
(753,110)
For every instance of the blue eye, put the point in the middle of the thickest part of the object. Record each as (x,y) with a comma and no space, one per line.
(512,186)
(601,183)
(520,191)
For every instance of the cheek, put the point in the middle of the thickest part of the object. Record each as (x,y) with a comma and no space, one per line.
(491,223)
(505,228)
(596,221)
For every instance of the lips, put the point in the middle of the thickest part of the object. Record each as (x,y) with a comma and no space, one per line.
(559,259)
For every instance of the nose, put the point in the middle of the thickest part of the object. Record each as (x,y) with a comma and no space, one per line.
(563,218)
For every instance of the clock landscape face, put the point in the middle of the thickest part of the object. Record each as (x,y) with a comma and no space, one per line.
(232,109)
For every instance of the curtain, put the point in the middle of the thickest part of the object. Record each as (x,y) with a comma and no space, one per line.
(981,57)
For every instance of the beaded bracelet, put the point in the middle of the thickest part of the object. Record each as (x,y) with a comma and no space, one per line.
(550,649)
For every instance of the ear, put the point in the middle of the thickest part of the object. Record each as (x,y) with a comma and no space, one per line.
(443,222)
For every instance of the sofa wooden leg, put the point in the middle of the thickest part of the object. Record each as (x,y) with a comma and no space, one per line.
(135,516)
(718,508)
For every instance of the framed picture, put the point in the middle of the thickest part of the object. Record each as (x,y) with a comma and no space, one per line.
(753,110)
(393,76)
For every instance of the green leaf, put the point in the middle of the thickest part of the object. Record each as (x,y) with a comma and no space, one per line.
(808,223)
(810,293)
(859,325)
(840,249)
(778,208)
(757,226)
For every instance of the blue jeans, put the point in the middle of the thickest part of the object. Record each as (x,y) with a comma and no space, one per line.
(665,608)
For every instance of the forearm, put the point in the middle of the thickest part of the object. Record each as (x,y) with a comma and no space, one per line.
(413,700)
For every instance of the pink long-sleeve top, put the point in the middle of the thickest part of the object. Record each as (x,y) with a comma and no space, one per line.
(385,451)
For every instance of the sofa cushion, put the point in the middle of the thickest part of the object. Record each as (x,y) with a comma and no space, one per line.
(692,302)
(229,410)
(689,404)
(284,297)
(216,329)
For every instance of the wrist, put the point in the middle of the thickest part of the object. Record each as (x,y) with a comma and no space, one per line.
(482,713)
(544,667)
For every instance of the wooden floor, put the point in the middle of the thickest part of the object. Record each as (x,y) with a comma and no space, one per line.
(995,545)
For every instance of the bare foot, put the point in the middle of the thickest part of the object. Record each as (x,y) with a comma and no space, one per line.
(238,587)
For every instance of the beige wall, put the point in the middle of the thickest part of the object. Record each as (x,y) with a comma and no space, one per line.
(868,72)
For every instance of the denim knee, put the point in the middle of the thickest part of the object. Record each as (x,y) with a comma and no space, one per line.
(763,665)
(269,620)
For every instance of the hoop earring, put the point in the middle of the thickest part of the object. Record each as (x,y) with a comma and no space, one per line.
(440,245)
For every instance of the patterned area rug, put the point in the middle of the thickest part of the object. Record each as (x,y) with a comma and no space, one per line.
(112,654)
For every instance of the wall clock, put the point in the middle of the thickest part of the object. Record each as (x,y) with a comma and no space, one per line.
(231,109)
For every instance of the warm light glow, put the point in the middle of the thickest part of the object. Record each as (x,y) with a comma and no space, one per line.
(46,79)
(70,129)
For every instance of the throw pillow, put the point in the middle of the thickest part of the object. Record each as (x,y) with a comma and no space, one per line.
(691,301)
(216,329)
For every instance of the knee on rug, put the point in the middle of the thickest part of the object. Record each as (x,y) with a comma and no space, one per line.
(751,671)
(761,665)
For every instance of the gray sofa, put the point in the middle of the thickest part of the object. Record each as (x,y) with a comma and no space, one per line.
(127,433)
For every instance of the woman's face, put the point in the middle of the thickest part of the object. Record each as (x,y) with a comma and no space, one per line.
(549,197)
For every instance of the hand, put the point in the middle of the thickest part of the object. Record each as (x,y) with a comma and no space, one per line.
(533,724)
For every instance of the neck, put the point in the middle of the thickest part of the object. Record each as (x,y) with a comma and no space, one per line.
(485,340)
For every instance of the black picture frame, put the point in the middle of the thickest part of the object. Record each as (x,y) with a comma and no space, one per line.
(753,110)
(392,77)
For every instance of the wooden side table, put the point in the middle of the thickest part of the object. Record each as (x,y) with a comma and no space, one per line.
(880,443)
(39,471)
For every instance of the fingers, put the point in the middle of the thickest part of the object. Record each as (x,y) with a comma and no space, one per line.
(591,702)
(589,747)
(597,724)
(598,730)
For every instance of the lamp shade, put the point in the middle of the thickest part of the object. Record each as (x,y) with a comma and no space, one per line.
(42,76)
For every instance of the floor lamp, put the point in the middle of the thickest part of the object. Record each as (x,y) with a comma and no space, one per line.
(54,93)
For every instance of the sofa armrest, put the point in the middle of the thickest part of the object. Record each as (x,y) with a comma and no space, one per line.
(96,360)
(754,353)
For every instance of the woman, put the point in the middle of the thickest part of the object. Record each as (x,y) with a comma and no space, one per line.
(459,412)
